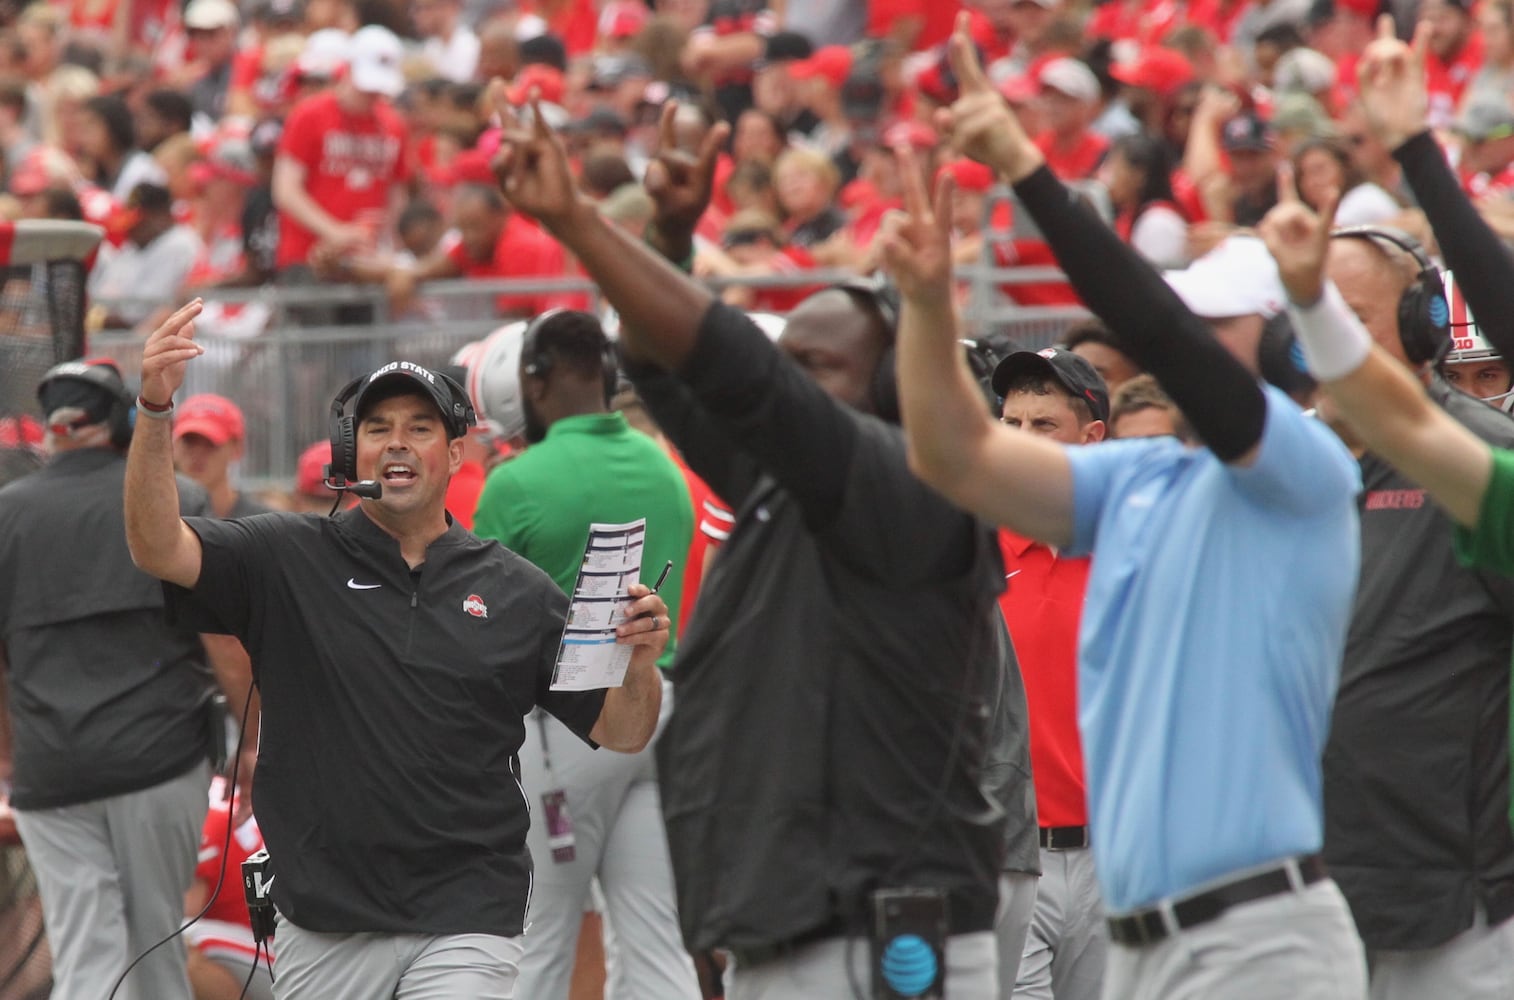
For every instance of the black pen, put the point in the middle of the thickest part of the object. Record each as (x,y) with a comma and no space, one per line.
(662,577)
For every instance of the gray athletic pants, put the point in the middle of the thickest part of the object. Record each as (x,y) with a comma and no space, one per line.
(1292,946)
(112,874)
(1477,964)
(618,834)
(312,966)
(1018,892)
(1065,949)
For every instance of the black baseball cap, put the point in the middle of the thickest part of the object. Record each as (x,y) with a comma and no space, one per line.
(398,378)
(1071,371)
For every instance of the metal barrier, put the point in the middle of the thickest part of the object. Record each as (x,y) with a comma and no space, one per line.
(281,352)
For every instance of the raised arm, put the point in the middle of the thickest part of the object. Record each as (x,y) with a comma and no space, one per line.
(1385,405)
(1392,79)
(161,543)
(1221,399)
(1019,480)
(660,307)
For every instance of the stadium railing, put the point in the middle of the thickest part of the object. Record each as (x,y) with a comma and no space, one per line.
(281,351)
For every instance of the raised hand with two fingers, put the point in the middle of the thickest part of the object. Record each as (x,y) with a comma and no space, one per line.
(532,166)
(917,243)
(1299,239)
(681,183)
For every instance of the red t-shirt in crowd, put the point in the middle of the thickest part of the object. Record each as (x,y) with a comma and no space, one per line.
(1147,22)
(1219,16)
(351,162)
(1076,161)
(523,250)
(1042,604)
(575,22)
(789,260)
(1447,80)
(939,18)
(1034,253)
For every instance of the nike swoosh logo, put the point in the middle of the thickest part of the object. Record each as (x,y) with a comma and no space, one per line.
(269,884)
(354,585)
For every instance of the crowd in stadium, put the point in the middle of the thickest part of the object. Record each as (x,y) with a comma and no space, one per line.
(1249,735)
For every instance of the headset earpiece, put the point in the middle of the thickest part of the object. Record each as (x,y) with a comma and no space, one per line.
(344,434)
(104,375)
(1424,317)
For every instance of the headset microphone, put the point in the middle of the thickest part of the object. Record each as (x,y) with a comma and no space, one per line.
(368,489)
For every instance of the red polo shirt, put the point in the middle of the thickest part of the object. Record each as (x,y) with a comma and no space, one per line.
(1042,604)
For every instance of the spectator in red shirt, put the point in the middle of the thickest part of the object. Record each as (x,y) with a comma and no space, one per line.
(1454,58)
(753,246)
(1487,158)
(342,156)
(493,242)
(1069,98)
(1054,394)
(914,25)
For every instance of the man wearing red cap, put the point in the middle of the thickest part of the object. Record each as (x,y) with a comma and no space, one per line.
(208,436)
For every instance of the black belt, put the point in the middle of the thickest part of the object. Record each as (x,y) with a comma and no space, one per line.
(759,954)
(1149,926)
(1064,838)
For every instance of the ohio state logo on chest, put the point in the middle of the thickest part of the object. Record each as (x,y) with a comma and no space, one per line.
(475,606)
(369,156)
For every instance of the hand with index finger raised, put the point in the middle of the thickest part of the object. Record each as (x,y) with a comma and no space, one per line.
(980,123)
(1391,77)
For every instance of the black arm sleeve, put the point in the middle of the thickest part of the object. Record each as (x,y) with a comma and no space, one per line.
(760,400)
(728,470)
(1221,399)
(1484,271)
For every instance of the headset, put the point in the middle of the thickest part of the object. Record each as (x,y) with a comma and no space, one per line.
(102,374)
(1424,317)
(341,474)
(880,295)
(537,361)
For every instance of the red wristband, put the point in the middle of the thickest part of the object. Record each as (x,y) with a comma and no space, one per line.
(142,403)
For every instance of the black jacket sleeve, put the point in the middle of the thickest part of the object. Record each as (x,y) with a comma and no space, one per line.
(1221,399)
(1484,271)
(713,456)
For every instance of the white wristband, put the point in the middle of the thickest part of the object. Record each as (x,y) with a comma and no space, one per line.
(1334,341)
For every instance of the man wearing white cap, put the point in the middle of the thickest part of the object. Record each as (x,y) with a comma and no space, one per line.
(341,157)
(1235,289)
(1069,100)
(212,27)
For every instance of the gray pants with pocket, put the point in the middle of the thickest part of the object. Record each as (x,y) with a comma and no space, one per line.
(1293,946)
(112,874)
(313,966)
(1065,949)
(619,836)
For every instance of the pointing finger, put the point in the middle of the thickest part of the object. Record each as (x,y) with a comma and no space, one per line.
(1386,31)
(1287,186)
(916,201)
(667,136)
(539,126)
(963,56)
(1420,44)
(946,189)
